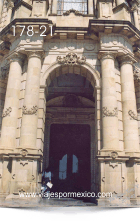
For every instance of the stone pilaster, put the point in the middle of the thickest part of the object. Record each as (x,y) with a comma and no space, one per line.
(31,101)
(135,12)
(9,14)
(130,123)
(109,103)
(10,112)
(54,7)
(90,7)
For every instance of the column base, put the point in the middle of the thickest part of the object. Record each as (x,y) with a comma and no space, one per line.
(114,202)
(14,200)
(135,201)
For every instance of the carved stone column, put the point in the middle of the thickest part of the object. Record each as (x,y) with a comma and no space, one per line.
(109,103)
(10,113)
(31,101)
(130,123)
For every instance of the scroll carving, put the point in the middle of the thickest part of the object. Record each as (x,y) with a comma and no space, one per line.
(76,12)
(31,111)
(71,59)
(132,115)
(107,113)
(7,112)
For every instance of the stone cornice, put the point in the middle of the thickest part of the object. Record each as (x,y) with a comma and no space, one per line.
(125,59)
(7,33)
(125,28)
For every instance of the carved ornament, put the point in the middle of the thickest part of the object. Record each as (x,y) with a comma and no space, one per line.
(24,152)
(103,179)
(23,162)
(113,164)
(71,59)
(114,155)
(31,111)
(76,12)
(7,112)
(132,115)
(13,176)
(107,113)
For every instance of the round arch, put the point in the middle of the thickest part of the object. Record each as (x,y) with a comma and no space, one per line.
(86,70)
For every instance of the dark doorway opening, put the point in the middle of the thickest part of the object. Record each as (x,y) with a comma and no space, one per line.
(69,157)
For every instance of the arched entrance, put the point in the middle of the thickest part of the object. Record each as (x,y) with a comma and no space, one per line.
(70,137)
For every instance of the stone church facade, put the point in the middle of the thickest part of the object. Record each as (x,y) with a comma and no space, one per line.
(70,63)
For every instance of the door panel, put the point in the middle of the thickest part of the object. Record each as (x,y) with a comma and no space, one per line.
(70,157)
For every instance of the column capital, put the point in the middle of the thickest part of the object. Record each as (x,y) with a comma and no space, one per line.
(37,54)
(126,59)
(16,56)
(107,55)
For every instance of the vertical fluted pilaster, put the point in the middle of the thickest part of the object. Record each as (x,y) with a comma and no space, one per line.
(109,103)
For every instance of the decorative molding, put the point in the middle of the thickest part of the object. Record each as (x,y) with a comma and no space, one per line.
(89,46)
(31,111)
(63,115)
(113,164)
(24,152)
(71,45)
(33,177)
(71,59)
(106,55)
(21,190)
(107,113)
(0,176)
(13,176)
(23,162)
(7,112)
(103,179)
(123,179)
(114,155)
(132,115)
(76,12)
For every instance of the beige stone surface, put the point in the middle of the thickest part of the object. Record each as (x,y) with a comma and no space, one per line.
(100,46)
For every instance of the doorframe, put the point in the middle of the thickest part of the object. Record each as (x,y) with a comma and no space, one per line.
(66,115)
